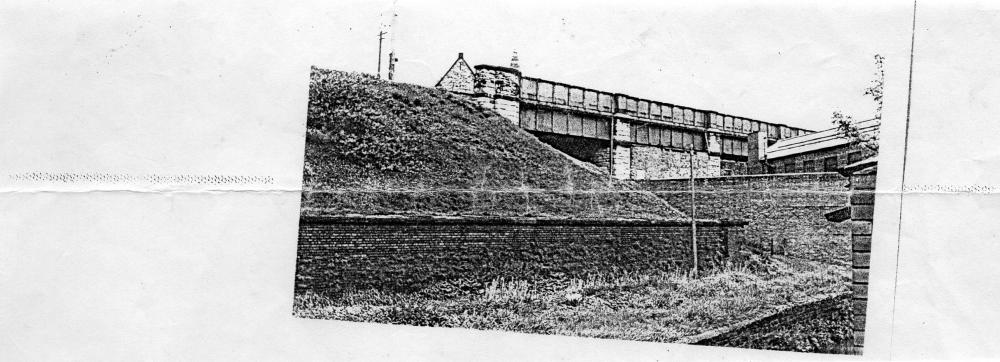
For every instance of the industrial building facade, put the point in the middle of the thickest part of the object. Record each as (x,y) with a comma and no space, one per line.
(825,151)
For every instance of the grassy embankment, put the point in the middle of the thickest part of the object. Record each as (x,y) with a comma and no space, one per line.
(379,148)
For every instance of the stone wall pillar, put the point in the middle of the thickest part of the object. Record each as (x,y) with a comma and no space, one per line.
(621,162)
(714,143)
(623,131)
(756,147)
(509,109)
(499,89)
(862,210)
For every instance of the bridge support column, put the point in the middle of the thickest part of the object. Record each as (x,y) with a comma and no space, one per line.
(756,145)
(508,108)
(499,89)
(621,156)
(714,143)
(621,164)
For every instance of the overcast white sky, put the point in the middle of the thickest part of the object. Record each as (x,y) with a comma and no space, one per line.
(163,78)
(782,62)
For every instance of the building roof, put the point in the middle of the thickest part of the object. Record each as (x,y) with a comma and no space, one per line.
(832,137)
(459,62)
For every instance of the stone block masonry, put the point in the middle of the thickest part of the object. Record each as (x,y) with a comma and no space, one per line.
(507,108)
(657,163)
(405,254)
(623,131)
(621,163)
(785,212)
(497,82)
(497,88)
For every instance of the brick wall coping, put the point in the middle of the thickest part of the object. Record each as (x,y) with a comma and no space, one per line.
(655,185)
(798,175)
(429,220)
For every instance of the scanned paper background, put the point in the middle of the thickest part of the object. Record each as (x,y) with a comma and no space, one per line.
(125,266)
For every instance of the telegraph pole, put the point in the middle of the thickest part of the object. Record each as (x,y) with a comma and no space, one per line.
(694,225)
(392,43)
(381,35)
(392,64)
(611,146)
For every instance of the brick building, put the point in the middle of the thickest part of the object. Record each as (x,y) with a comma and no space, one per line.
(825,151)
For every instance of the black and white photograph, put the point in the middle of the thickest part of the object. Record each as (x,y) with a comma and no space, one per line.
(446,180)
(627,199)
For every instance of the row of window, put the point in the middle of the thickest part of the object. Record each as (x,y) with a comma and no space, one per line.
(662,136)
(730,168)
(826,164)
(734,146)
(564,123)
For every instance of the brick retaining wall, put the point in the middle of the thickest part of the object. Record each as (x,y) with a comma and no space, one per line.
(784,211)
(405,254)
(658,163)
(812,327)
(862,213)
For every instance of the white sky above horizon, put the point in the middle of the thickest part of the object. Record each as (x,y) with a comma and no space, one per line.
(153,71)
(772,61)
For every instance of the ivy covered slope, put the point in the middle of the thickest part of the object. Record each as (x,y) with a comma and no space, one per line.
(375,147)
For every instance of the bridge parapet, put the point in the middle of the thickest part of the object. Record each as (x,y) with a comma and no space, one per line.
(565,96)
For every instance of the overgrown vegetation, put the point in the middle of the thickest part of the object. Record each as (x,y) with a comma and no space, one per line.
(376,147)
(827,332)
(848,126)
(646,307)
(368,133)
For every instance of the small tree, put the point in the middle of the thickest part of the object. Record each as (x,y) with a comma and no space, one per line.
(848,126)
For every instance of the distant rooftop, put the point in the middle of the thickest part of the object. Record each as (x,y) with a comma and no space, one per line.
(832,137)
